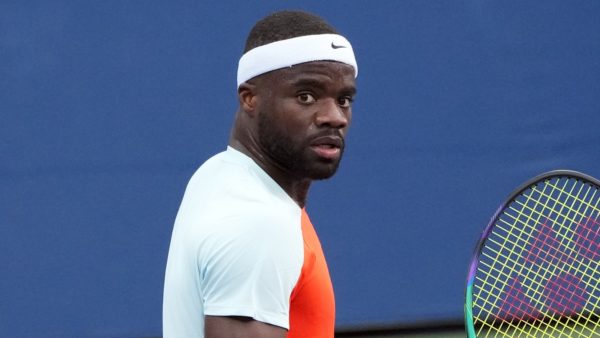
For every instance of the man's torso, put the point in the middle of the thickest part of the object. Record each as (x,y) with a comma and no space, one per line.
(242,247)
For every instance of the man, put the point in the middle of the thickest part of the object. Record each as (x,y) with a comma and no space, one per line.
(244,259)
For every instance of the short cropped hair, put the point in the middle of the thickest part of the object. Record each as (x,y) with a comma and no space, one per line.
(286,25)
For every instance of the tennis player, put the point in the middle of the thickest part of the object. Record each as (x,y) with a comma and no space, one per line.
(244,259)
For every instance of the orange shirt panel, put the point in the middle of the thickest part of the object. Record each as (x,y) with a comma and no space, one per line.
(312,307)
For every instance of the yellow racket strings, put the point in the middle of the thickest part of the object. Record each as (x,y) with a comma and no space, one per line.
(538,227)
(498,273)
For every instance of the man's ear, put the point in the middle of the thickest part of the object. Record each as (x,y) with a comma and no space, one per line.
(247,97)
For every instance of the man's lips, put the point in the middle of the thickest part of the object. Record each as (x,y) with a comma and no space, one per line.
(329,140)
(328,147)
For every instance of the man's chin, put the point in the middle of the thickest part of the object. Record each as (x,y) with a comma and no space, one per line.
(323,171)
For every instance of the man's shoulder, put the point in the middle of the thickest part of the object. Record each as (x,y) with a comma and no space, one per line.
(233,176)
(220,172)
(227,165)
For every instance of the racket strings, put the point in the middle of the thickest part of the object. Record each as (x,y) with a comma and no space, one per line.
(554,289)
(558,249)
(519,307)
(517,286)
(532,274)
(561,300)
(567,275)
(513,303)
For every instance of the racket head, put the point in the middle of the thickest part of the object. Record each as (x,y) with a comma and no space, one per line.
(536,267)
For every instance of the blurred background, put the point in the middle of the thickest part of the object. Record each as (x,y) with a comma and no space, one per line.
(108,107)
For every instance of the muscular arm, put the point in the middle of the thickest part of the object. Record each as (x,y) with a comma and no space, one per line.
(240,327)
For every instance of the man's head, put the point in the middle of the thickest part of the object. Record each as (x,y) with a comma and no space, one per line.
(286,25)
(296,82)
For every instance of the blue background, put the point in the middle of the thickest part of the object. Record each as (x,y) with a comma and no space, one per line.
(108,107)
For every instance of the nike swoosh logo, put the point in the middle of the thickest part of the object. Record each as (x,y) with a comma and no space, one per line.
(334,46)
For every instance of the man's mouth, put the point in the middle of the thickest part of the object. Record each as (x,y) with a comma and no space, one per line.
(328,147)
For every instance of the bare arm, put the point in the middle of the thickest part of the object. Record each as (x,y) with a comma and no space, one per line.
(240,327)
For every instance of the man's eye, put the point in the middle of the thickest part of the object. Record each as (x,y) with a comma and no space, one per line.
(306,98)
(345,102)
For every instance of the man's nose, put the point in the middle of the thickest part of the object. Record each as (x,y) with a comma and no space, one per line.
(331,114)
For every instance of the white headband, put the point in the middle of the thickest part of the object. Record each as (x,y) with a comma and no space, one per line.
(286,53)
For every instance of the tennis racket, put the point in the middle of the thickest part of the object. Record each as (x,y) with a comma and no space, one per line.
(536,268)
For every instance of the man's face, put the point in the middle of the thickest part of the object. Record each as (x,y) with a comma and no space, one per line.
(304,115)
